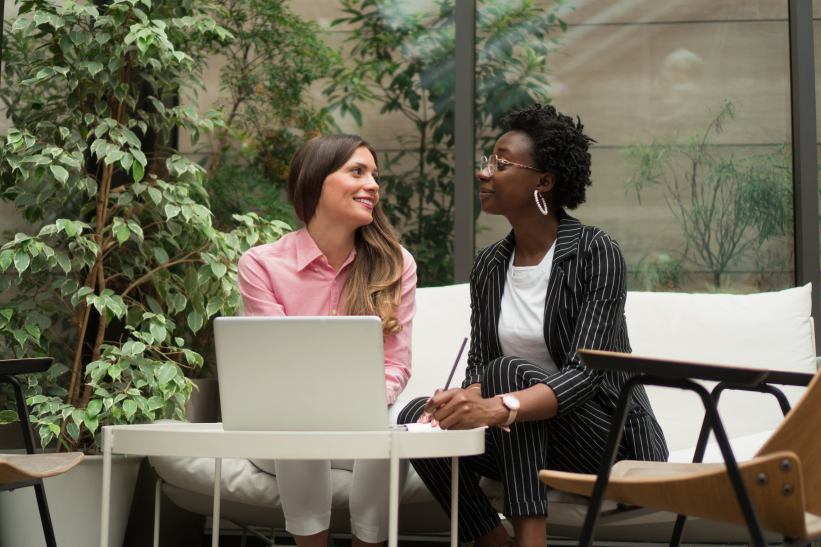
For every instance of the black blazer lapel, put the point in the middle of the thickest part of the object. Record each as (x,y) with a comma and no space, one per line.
(497,275)
(567,245)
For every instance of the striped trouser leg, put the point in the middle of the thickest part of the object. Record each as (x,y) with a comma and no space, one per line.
(513,458)
(476,515)
(521,453)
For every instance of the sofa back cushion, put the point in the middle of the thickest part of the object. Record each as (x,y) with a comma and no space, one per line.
(767,330)
(442,320)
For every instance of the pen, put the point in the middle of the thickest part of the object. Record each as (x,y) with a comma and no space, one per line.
(456,363)
(425,418)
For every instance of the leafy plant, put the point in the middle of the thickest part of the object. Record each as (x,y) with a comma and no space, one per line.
(126,265)
(404,62)
(726,205)
(659,272)
(270,64)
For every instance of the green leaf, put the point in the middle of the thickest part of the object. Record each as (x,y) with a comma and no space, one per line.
(94,407)
(122,232)
(155,195)
(59,173)
(214,305)
(194,320)
(67,226)
(137,171)
(63,261)
(21,260)
(167,372)
(91,423)
(160,255)
(219,269)
(8,416)
(73,430)
(33,330)
(171,211)
(6,258)
(158,332)
(139,156)
(114,156)
(92,67)
(130,408)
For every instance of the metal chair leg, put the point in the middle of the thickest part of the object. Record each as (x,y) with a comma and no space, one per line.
(28,439)
(704,436)
(45,515)
(608,456)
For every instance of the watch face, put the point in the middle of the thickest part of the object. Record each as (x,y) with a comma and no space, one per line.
(511,402)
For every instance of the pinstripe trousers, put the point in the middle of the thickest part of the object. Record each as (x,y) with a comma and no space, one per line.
(570,443)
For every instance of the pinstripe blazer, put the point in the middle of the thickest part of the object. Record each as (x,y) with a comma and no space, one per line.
(584,308)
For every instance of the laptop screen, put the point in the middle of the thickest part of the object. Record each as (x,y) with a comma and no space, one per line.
(301,373)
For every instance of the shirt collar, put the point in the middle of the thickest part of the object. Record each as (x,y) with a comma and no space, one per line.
(307,251)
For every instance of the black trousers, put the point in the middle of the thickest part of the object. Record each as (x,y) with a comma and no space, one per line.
(569,443)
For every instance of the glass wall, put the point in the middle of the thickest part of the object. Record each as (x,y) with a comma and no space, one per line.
(689,102)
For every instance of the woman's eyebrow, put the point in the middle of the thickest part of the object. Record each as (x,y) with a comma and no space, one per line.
(364,166)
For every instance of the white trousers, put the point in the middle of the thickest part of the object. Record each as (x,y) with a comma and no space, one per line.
(305,493)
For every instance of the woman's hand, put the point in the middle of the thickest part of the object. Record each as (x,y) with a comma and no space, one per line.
(459,408)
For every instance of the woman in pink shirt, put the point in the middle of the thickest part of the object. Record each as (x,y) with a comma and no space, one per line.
(345,261)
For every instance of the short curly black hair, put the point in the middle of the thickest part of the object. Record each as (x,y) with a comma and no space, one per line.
(559,147)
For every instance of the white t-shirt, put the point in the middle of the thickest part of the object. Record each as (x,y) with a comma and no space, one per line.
(521,319)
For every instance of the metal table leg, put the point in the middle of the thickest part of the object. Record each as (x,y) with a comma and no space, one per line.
(215,518)
(454,502)
(106,495)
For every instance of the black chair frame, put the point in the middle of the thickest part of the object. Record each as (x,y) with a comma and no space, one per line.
(8,369)
(753,381)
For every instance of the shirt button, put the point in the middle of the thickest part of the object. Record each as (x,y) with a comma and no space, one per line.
(333,311)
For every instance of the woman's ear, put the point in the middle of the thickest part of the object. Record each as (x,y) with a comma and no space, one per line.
(546,182)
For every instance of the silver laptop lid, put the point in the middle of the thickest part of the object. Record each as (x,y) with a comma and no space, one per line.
(301,373)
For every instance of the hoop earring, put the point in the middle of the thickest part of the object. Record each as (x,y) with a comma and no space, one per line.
(540,202)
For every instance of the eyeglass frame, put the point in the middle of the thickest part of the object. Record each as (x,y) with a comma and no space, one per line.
(493,166)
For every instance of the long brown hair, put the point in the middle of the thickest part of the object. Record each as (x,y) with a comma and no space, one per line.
(374,284)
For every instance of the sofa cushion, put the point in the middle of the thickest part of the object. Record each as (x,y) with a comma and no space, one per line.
(441,323)
(768,330)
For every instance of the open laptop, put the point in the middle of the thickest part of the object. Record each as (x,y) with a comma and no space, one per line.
(301,373)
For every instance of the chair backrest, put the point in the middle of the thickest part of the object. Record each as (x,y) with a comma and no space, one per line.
(798,433)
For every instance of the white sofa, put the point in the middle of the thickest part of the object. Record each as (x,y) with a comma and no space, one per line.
(769,330)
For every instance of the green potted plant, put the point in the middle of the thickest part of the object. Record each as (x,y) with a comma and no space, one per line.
(123,266)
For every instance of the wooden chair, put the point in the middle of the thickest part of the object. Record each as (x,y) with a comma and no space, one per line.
(779,489)
(19,471)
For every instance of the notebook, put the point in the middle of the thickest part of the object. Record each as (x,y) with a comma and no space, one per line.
(301,373)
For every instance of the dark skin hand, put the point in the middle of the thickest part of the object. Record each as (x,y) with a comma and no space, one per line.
(459,408)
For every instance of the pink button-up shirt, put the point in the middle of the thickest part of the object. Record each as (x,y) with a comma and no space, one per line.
(293,277)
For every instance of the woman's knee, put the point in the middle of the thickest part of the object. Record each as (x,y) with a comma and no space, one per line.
(410,414)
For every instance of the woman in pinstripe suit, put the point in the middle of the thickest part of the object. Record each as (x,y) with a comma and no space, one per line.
(551,286)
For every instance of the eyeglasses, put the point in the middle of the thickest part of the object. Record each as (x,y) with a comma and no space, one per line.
(493,162)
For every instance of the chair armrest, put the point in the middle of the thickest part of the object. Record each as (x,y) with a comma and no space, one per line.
(680,370)
(671,368)
(10,367)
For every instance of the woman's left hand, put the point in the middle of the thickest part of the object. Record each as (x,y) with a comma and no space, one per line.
(465,409)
